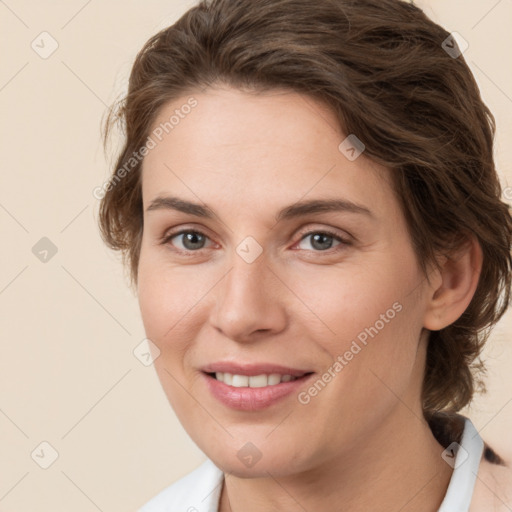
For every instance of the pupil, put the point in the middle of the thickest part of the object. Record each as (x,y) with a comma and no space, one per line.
(192,240)
(321,241)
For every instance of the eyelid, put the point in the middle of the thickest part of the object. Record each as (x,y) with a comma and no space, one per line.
(335,233)
(185,227)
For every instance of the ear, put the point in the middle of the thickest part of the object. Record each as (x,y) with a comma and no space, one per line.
(455,285)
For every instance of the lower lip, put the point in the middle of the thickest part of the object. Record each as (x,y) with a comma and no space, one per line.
(252,399)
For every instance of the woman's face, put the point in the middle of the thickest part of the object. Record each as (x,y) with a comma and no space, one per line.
(246,271)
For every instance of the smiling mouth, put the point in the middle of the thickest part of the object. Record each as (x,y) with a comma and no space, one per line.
(255,381)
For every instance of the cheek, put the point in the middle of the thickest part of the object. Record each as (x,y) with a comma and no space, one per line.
(374,318)
(173,301)
(358,301)
(163,295)
(166,300)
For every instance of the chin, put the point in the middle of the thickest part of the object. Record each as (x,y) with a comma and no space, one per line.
(261,469)
(246,459)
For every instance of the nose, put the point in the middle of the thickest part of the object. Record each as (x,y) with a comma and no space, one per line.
(249,302)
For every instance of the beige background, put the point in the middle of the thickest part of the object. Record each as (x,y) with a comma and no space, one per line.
(68,375)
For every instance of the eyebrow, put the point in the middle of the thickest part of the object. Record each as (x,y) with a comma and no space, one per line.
(313,206)
(174,203)
(298,209)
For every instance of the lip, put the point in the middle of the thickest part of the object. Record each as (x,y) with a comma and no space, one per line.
(252,369)
(253,399)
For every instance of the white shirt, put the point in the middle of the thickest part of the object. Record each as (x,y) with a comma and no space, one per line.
(200,490)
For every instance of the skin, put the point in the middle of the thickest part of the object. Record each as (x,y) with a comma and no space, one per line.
(493,488)
(247,156)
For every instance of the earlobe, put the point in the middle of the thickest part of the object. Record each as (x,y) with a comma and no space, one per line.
(457,283)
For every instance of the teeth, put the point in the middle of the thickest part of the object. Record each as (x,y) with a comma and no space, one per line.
(240,381)
(275,378)
(256,381)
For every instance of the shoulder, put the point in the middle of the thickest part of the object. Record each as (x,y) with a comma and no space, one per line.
(197,491)
(493,487)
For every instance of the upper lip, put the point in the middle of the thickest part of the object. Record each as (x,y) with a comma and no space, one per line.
(252,369)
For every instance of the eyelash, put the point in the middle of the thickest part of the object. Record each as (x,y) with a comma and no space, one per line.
(343,241)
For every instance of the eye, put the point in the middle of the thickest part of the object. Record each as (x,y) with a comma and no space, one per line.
(187,240)
(193,241)
(321,240)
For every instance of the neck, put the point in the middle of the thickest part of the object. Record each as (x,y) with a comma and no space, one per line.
(398,468)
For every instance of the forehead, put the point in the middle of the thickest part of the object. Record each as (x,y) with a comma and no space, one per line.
(240,146)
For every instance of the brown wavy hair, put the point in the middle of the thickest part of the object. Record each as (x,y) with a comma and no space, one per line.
(382,68)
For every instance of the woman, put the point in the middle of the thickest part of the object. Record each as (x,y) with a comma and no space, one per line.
(309,206)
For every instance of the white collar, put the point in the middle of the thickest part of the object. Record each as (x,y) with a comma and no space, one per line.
(467,460)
